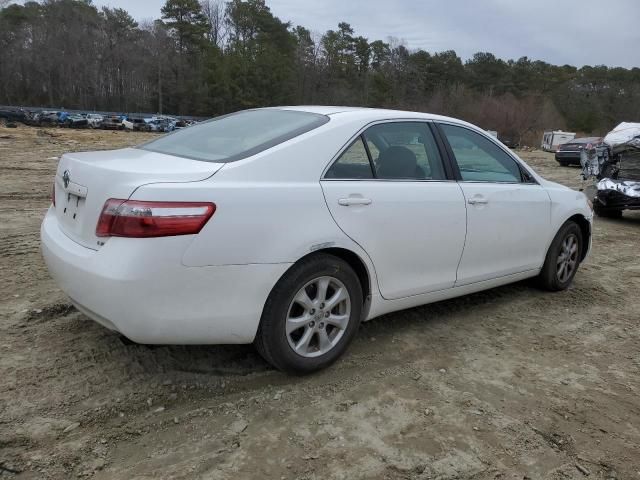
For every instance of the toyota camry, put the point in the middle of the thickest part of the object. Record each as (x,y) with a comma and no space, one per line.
(286,227)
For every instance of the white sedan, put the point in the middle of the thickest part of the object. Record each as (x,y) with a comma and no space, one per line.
(94,120)
(287,227)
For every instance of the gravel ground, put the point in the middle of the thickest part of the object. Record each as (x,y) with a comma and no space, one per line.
(512,383)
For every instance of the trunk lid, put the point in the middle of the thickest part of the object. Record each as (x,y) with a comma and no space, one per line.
(84,181)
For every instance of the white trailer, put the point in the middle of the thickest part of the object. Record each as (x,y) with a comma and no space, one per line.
(551,140)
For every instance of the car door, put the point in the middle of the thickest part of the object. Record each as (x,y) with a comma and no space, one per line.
(390,193)
(508,213)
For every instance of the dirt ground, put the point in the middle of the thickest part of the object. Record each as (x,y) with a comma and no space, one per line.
(513,383)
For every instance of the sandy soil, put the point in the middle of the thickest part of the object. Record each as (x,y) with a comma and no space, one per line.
(512,383)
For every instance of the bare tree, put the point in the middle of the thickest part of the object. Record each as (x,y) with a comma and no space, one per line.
(214,10)
(225,55)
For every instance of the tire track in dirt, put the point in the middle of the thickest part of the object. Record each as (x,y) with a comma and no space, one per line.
(19,244)
(450,390)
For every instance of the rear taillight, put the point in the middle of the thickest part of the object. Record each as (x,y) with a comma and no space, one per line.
(133,218)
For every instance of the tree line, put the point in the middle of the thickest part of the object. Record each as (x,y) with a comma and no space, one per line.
(212,57)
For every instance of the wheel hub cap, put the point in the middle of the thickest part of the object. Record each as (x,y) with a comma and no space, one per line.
(318,316)
(567,259)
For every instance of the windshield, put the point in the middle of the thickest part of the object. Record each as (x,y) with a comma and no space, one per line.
(236,136)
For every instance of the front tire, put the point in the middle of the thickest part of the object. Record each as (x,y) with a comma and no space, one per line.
(311,315)
(563,258)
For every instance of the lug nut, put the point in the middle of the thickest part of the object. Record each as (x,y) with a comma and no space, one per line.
(312,311)
(321,306)
(326,314)
(321,324)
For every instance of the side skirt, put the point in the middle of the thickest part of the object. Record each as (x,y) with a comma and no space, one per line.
(380,306)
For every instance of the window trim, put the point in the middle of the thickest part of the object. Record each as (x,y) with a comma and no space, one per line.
(449,173)
(454,163)
(363,139)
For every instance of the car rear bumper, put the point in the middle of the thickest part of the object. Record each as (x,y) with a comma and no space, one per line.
(568,157)
(139,288)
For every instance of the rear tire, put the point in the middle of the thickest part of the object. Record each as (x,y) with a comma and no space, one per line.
(563,258)
(311,315)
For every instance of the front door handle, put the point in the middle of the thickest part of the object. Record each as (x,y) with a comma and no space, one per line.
(347,202)
(477,201)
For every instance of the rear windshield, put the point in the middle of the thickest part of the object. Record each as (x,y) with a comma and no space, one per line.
(236,136)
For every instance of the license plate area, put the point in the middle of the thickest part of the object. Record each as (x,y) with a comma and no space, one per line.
(72,207)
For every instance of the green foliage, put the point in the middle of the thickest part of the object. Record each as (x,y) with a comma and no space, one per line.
(259,57)
(210,57)
(186,20)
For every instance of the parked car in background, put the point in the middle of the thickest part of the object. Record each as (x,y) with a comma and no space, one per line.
(366,212)
(171,122)
(30,118)
(48,118)
(510,142)
(94,120)
(113,122)
(161,125)
(127,123)
(13,115)
(615,163)
(75,120)
(137,124)
(569,153)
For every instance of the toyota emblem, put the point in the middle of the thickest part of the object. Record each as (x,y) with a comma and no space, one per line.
(66,178)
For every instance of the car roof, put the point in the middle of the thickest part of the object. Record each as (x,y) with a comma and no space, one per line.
(371,114)
(586,140)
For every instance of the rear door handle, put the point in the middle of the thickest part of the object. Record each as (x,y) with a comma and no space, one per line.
(477,201)
(347,202)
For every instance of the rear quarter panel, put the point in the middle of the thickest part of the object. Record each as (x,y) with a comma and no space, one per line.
(269,208)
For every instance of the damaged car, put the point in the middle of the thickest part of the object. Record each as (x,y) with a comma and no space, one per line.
(113,122)
(136,124)
(569,153)
(75,120)
(94,120)
(12,115)
(615,163)
(47,118)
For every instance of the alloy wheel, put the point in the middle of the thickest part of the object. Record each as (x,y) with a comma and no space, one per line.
(318,316)
(567,259)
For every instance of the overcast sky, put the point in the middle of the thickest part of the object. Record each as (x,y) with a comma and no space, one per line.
(575,32)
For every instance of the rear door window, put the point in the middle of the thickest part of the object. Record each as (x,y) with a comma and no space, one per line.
(404,151)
